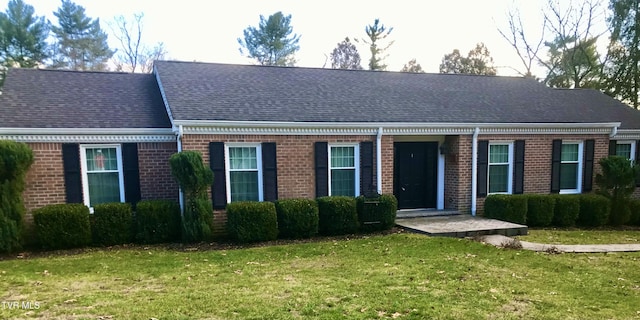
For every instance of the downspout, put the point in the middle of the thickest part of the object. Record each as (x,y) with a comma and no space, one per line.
(181,196)
(474,171)
(614,132)
(379,161)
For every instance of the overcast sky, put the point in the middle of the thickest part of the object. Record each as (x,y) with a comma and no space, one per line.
(426,30)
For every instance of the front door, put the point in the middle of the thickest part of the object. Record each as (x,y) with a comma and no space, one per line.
(415,174)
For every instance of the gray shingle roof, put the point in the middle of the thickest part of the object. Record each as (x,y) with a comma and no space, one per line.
(209,91)
(34,98)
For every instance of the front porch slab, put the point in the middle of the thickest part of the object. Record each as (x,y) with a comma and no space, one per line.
(461,226)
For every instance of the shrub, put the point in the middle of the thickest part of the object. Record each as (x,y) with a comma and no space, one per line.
(512,208)
(566,210)
(634,207)
(61,226)
(539,210)
(250,221)
(112,224)
(594,210)
(337,215)
(297,218)
(157,221)
(380,210)
(617,182)
(15,160)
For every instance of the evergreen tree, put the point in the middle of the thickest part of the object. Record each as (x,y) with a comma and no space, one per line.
(478,61)
(376,33)
(412,66)
(624,23)
(345,56)
(573,64)
(272,42)
(81,43)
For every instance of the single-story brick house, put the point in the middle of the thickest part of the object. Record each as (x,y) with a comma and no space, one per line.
(436,141)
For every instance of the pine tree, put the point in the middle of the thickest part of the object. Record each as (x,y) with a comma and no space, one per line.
(625,38)
(272,42)
(376,33)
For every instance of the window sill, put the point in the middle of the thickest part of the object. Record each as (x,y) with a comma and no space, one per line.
(569,191)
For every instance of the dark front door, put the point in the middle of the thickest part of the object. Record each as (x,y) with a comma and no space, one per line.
(415,174)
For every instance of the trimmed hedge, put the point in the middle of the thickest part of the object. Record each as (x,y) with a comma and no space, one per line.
(382,209)
(539,210)
(249,221)
(512,208)
(112,224)
(297,218)
(634,206)
(594,210)
(566,210)
(157,221)
(62,226)
(337,215)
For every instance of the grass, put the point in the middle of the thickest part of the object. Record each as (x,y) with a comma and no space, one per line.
(561,236)
(403,276)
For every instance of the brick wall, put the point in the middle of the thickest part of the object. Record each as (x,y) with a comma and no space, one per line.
(156,181)
(45,179)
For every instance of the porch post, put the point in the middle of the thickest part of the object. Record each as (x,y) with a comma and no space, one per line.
(474,170)
(379,161)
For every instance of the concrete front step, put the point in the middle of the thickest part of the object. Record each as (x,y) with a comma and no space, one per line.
(461,226)
(419,213)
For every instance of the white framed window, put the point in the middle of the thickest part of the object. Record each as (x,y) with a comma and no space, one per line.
(500,168)
(244,172)
(626,149)
(102,174)
(571,167)
(344,170)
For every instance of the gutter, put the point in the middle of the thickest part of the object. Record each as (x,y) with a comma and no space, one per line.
(474,171)
(379,161)
(179,135)
(614,132)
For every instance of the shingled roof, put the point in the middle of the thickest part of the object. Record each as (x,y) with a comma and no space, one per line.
(33,98)
(210,91)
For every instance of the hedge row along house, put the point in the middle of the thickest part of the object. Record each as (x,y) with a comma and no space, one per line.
(438,141)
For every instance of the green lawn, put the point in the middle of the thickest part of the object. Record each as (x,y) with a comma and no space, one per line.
(560,236)
(402,276)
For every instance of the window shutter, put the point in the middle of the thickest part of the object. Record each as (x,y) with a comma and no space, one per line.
(366,168)
(587,181)
(131,173)
(269,171)
(518,179)
(71,166)
(219,186)
(483,167)
(612,147)
(637,161)
(556,158)
(322,169)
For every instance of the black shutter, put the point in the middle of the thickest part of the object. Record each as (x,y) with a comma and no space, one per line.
(556,157)
(322,169)
(131,173)
(269,171)
(612,147)
(219,186)
(587,181)
(636,161)
(71,166)
(483,169)
(518,179)
(366,168)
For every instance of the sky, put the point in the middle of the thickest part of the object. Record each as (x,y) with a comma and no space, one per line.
(207,31)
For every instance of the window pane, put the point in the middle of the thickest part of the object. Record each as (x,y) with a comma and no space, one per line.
(569,176)
(243,158)
(624,150)
(570,152)
(343,182)
(342,157)
(498,178)
(101,159)
(244,185)
(499,153)
(103,187)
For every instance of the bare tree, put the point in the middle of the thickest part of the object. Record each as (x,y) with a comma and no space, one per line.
(133,55)
(527,50)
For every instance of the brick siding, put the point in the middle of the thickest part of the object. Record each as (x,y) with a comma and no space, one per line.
(156,181)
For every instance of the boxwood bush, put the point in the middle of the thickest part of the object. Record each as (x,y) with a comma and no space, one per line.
(512,208)
(594,210)
(249,221)
(112,223)
(157,221)
(62,226)
(337,215)
(382,209)
(539,210)
(566,210)
(297,218)
(634,206)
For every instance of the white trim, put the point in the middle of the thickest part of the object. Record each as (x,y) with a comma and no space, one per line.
(379,160)
(163,95)
(441,169)
(632,150)
(474,171)
(627,134)
(356,163)
(88,135)
(509,164)
(580,164)
(83,170)
(227,166)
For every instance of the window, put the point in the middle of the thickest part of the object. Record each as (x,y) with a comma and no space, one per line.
(102,174)
(626,149)
(244,177)
(500,167)
(344,179)
(571,167)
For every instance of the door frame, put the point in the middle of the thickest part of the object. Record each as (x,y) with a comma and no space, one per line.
(440,174)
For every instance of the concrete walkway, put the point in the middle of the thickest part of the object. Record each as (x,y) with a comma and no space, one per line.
(502,241)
